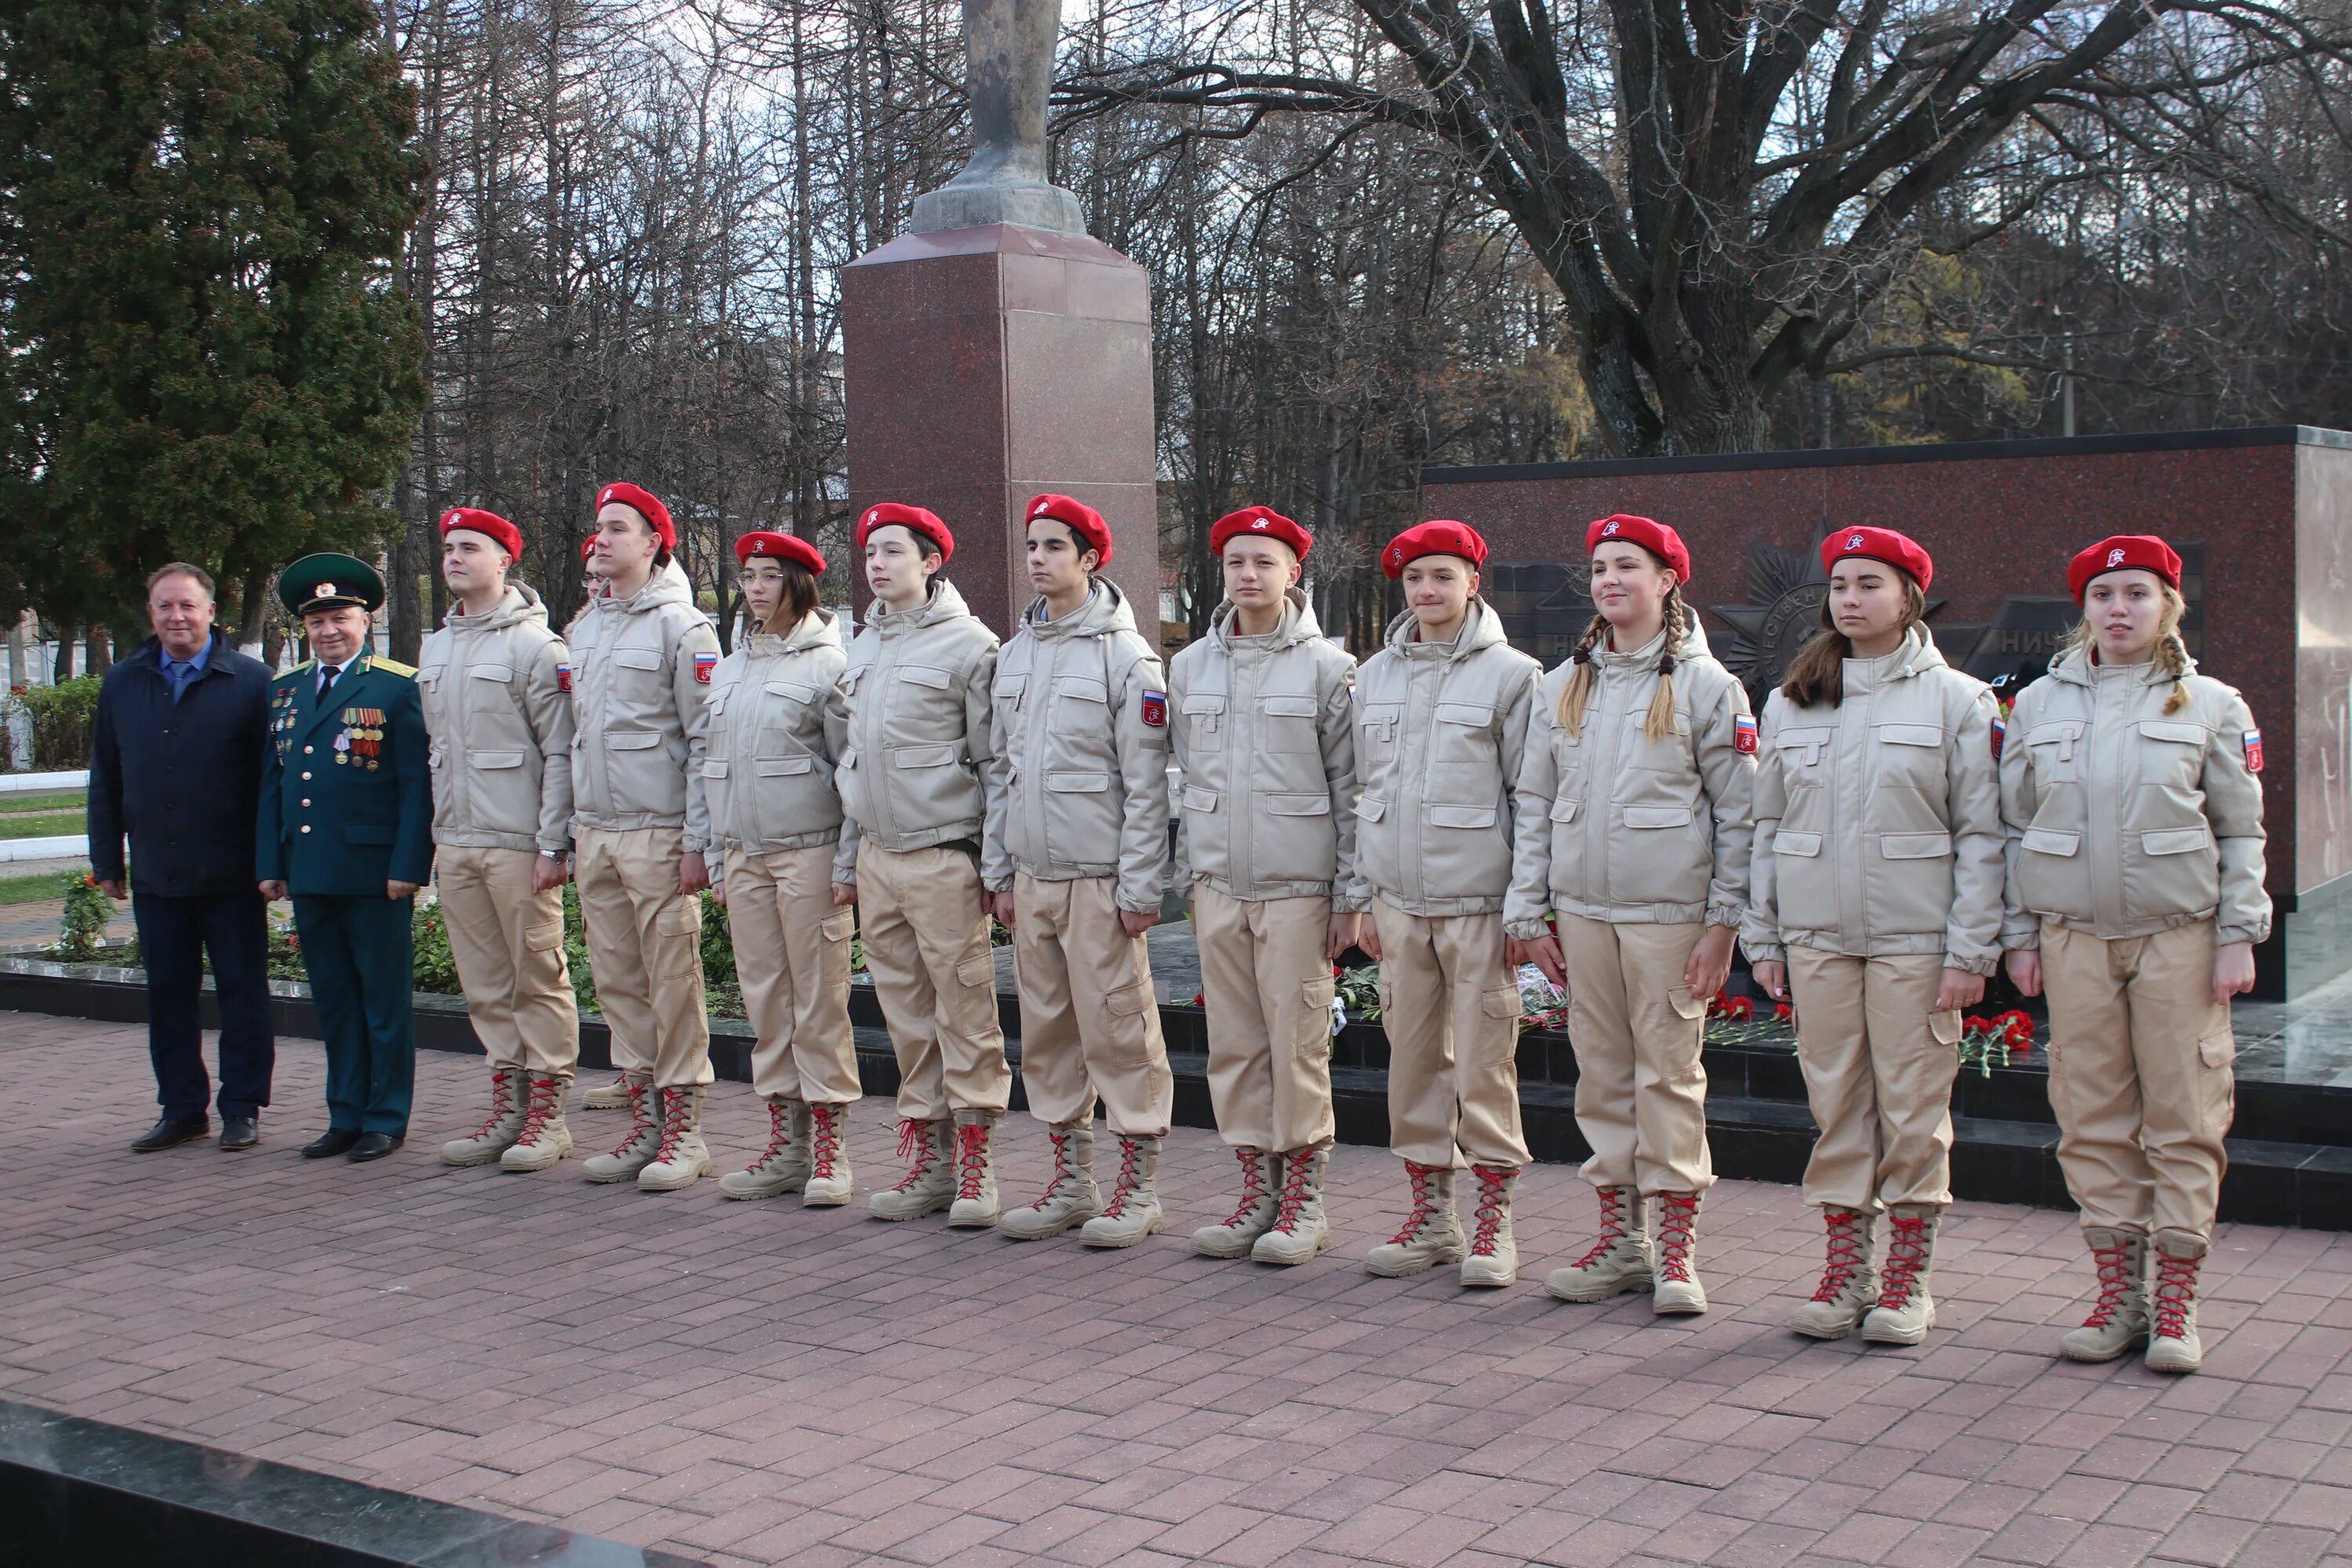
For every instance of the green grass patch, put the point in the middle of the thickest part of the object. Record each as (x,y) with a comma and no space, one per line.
(55,824)
(25,805)
(37,887)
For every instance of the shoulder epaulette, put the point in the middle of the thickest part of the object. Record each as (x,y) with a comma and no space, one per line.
(394,665)
(296,670)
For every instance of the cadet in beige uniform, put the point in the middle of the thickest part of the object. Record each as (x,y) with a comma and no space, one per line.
(1264,731)
(2136,896)
(496,684)
(918,693)
(1875,898)
(1641,745)
(775,730)
(642,659)
(1441,727)
(1076,857)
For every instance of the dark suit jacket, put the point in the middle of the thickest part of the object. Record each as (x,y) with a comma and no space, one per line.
(181,778)
(329,822)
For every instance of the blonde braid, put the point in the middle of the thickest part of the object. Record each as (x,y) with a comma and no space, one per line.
(2173,655)
(1579,690)
(1659,722)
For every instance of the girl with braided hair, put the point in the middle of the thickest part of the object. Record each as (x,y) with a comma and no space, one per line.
(2134,834)
(1641,757)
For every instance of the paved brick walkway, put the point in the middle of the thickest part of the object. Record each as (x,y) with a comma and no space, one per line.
(755,1382)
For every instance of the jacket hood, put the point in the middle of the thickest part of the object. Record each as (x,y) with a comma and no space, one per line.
(818,629)
(1296,624)
(2074,665)
(1105,611)
(943,604)
(667,586)
(520,605)
(1694,646)
(1481,628)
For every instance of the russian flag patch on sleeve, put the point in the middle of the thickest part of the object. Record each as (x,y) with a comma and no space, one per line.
(1999,734)
(2253,751)
(563,678)
(1743,734)
(704,663)
(1155,710)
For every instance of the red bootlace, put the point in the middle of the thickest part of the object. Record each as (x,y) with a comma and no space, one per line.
(1297,1187)
(2176,1293)
(500,1081)
(673,1123)
(780,1133)
(1061,1142)
(916,1144)
(825,1140)
(2114,1283)
(641,1121)
(1425,1202)
(1846,1258)
(1906,1251)
(1253,1187)
(971,1159)
(1678,1220)
(1612,1225)
(1493,1183)
(1131,1155)
(543,1109)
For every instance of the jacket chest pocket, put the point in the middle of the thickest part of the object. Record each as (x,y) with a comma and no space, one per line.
(1464,734)
(1910,754)
(1204,720)
(1080,717)
(636,676)
(1010,694)
(2171,754)
(2053,752)
(1804,756)
(1376,723)
(917,703)
(784,713)
(490,701)
(1287,723)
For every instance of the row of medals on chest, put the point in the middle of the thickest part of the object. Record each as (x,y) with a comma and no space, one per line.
(361,739)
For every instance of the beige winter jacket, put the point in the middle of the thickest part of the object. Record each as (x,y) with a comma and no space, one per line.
(920,732)
(2124,819)
(1080,781)
(775,728)
(498,714)
(1633,829)
(1878,821)
(1441,731)
(640,669)
(1264,731)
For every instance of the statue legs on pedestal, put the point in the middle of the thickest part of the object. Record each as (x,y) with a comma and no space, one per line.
(1008,73)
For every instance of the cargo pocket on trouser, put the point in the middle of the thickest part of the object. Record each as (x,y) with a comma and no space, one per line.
(1130,1043)
(2217,1083)
(1946,1028)
(977,972)
(1682,1066)
(836,929)
(1315,1027)
(679,931)
(1499,1008)
(542,955)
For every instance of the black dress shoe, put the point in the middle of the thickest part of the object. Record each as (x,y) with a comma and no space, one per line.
(373,1146)
(240,1132)
(333,1142)
(172,1130)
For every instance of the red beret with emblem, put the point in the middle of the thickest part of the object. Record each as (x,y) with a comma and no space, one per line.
(1083,520)
(912,518)
(1265,523)
(1879,544)
(587,550)
(648,506)
(772,545)
(1439,536)
(1653,536)
(2124,552)
(488,523)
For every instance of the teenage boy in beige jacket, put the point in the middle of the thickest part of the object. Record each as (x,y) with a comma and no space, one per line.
(918,694)
(496,685)
(1441,730)
(1264,730)
(1076,864)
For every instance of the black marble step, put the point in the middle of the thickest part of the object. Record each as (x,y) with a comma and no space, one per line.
(78,1494)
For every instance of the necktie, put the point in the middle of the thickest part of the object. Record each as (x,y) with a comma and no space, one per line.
(326,681)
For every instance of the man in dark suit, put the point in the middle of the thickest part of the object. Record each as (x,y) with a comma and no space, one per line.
(176,763)
(346,827)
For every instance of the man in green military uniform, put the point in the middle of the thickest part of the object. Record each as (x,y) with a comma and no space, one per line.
(347,828)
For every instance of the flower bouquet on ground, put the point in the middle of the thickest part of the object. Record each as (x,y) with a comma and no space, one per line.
(1988,1042)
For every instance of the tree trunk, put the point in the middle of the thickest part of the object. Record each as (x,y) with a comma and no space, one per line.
(62,670)
(98,656)
(407,618)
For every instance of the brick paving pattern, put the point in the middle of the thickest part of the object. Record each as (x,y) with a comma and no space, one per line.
(757,1382)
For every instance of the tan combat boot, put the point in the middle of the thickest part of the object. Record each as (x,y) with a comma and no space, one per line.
(1252,1216)
(1619,1261)
(829,1183)
(1906,1311)
(930,1183)
(2118,1319)
(975,1171)
(1430,1234)
(1493,1259)
(546,1137)
(1133,1212)
(636,1150)
(1849,1284)
(683,1159)
(609,1097)
(2173,1342)
(1070,1199)
(1678,1292)
(1300,1228)
(783,1166)
(496,1135)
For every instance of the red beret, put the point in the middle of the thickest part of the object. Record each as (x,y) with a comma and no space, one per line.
(648,507)
(1442,536)
(587,549)
(1879,544)
(914,518)
(1260,520)
(776,546)
(1084,520)
(2123,551)
(508,536)
(1654,537)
